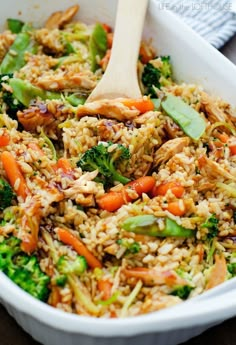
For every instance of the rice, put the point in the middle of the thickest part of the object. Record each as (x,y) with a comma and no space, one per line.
(47,139)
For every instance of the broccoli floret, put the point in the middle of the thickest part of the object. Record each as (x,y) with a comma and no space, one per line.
(104,160)
(232,269)
(22,269)
(61,280)
(212,225)
(156,77)
(182,291)
(12,104)
(6,194)
(78,266)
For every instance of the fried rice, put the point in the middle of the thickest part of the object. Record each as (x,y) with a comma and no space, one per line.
(130,272)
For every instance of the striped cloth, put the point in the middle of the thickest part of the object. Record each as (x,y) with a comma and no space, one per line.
(212,19)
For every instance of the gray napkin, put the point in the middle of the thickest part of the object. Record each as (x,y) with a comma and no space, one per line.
(212,19)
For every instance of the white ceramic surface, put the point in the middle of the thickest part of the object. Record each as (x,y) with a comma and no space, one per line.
(194,61)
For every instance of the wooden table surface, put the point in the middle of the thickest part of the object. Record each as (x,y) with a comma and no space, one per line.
(224,334)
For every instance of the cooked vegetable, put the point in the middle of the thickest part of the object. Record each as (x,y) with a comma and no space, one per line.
(131,298)
(15,25)
(150,225)
(156,77)
(22,269)
(177,208)
(77,266)
(14,174)
(15,58)
(4,139)
(64,165)
(105,287)
(230,188)
(142,104)
(68,238)
(6,195)
(11,102)
(163,188)
(25,92)
(185,116)
(97,45)
(182,291)
(232,269)
(112,201)
(75,100)
(106,160)
(132,248)
(212,225)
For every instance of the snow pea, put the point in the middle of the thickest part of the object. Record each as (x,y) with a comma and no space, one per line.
(185,116)
(97,45)
(14,25)
(150,225)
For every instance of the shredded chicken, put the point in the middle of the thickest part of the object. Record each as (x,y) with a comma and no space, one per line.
(68,80)
(59,19)
(113,109)
(169,149)
(213,170)
(46,116)
(214,113)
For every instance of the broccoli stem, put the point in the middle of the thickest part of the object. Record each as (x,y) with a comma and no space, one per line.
(149,225)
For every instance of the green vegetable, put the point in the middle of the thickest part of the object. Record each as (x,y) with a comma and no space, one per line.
(149,225)
(50,145)
(61,280)
(77,266)
(74,100)
(97,45)
(132,248)
(6,194)
(182,291)
(212,225)
(22,269)
(156,77)
(14,25)
(105,161)
(15,58)
(232,269)
(156,102)
(185,116)
(25,92)
(110,300)
(12,104)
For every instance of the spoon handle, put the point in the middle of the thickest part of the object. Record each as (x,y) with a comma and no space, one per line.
(120,78)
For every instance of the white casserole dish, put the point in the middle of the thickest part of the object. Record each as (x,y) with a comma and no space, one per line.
(194,61)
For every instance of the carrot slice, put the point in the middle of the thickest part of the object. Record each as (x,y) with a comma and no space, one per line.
(14,174)
(112,201)
(163,188)
(64,165)
(4,139)
(219,272)
(223,137)
(176,209)
(67,237)
(143,105)
(105,286)
(232,150)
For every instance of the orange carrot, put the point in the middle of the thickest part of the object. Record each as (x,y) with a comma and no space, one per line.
(219,272)
(35,147)
(64,165)
(223,137)
(110,36)
(68,238)
(163,188)
(105,286)
(106,27)
(232,150)
(4,139)
(54,297)
(14,174)
(143,105)
(176,209)
(112,201)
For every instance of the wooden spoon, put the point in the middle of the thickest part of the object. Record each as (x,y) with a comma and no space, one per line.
(120,78)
